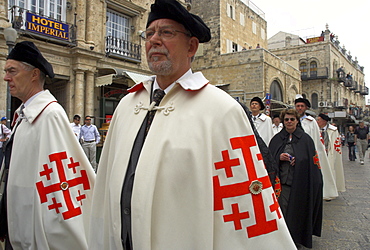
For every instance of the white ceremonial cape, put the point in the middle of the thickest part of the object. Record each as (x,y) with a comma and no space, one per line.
(335,156)
(263,125)
(193,181)
(50,181)
(310,126)
(277,129)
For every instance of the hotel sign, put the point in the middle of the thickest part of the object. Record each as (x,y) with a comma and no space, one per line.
(46,26)
(315,39)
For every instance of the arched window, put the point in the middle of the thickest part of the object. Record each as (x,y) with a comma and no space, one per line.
(314,101)
(275,91)
(313,69)
(303,68)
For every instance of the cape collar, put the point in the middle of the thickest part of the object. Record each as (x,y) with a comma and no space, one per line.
(189,82)
(35,107)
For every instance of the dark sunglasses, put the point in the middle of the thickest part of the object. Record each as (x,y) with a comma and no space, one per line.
(87,119)
(291,119)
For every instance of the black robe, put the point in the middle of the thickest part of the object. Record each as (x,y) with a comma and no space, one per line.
(304,212)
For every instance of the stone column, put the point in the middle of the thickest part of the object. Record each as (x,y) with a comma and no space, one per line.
(81,20)
(90,86)
(4,22)
(79,93)
(91,22)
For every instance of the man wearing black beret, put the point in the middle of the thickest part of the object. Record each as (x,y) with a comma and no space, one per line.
(311,127)
(261,121)
(44,165)
(160,184)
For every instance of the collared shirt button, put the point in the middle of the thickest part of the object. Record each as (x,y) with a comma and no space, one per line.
(126,211)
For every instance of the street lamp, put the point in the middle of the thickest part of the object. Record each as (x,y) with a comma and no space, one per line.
(10,37)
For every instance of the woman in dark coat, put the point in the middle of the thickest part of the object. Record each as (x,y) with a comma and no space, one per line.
(301,179)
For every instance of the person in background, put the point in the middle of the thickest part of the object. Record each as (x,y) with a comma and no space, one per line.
(276,124)
(261,121)
(350,142)
(89,137)
(180,159)
(361,140)
(76,126)
(310,126)
(4,136)
(332,142)
(47,178)
(301,197)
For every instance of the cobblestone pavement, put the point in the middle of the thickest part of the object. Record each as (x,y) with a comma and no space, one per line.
(346,220)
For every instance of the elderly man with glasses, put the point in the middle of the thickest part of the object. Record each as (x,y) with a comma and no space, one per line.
(180,168)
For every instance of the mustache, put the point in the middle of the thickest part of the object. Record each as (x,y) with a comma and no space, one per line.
(156,50)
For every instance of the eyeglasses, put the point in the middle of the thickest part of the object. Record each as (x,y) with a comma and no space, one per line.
(163,33)
(87,119)
(291,119)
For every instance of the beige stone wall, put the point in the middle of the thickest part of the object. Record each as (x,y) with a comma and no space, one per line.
(244,27)
(77,67)
(250,73)
(326,55)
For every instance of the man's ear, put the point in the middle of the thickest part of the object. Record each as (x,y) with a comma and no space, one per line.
(193,46)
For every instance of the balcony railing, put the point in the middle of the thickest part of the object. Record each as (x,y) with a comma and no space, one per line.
(364,90)
(122,48)
(354,85)
(348,83)
(320,73)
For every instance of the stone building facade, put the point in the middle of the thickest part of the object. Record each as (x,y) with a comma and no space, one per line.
(94,46)
(331,78)
(242,73)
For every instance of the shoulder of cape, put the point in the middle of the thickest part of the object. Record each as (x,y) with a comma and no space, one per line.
(331,127)
(310,118)
(263,117)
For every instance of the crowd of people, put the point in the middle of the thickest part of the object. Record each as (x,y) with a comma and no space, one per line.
(184,165)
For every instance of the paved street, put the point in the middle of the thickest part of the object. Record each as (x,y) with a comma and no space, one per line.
(346,222)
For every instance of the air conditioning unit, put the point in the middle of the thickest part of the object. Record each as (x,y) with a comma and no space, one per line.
(323,104)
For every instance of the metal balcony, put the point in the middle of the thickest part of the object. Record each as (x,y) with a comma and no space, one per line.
(121,48)
(320,73)
(364,90)
(348,83)
(354,86)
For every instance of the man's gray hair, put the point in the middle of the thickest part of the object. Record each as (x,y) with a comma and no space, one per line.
(29,67)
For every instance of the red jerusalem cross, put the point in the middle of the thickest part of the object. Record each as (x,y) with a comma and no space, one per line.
(262,226)
(63,185)
(337,146)
(316,160)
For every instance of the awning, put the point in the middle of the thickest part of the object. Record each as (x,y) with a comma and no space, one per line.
(137,78)
(104,80)
(111,73)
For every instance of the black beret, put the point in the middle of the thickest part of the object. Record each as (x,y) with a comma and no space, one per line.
(171,9)
(324,117)
(29,53)
(257,99)
(304,100)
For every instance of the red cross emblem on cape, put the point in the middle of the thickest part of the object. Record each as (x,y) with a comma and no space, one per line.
(316,160)
(64,185)
(254,188)
(337,145)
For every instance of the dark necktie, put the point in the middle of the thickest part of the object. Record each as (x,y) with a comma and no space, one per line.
(157,97)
